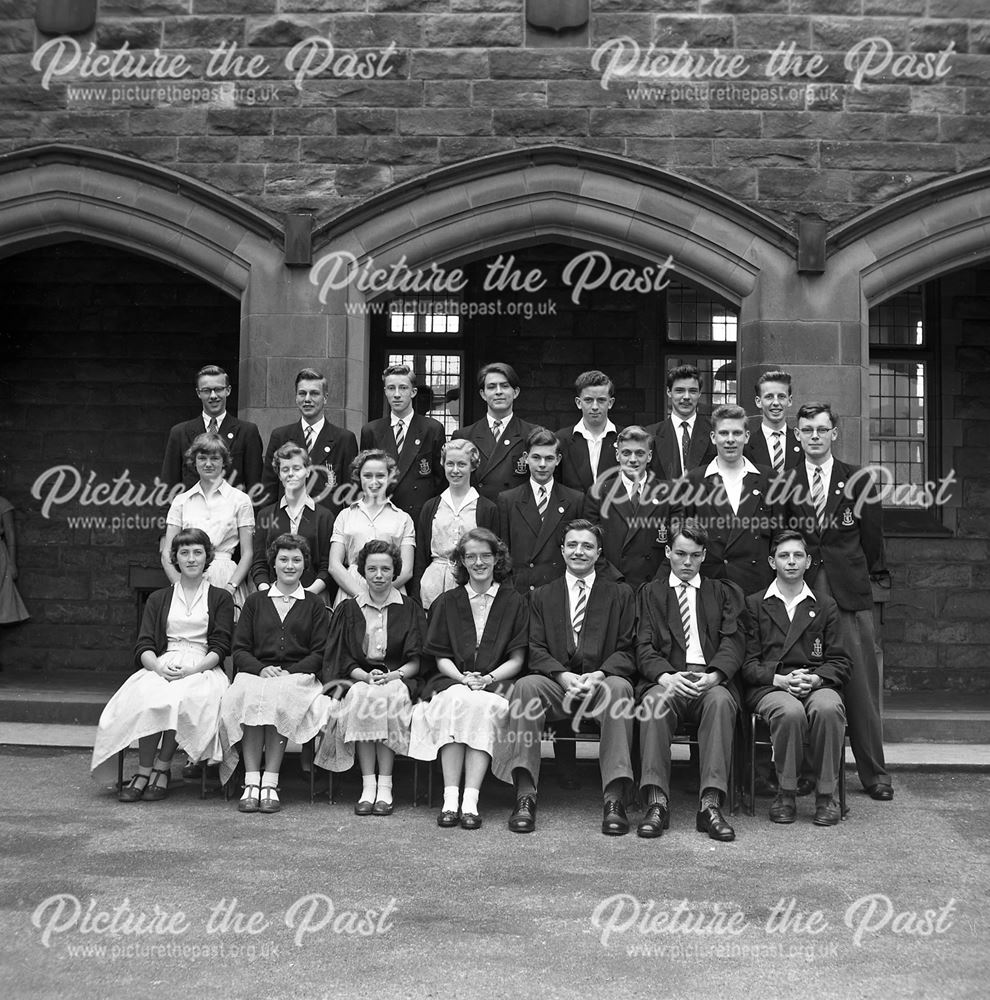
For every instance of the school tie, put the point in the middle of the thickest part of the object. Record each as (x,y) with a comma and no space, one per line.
(778,452)
(400,436)
(818,497)
(580,603)
(213,425)
(543,502)
(682,603)
(685,445)
(309,437)
(496,430)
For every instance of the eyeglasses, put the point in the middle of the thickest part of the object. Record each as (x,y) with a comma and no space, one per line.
(210,392)
(481,557)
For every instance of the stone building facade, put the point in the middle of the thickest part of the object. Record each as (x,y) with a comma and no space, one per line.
(179,179)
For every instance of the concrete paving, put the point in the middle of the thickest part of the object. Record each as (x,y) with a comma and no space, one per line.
(316,903)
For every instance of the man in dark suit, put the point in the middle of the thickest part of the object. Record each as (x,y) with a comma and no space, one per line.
(689,648)
(241,437)
(729,498)
(837,508)
(632,509)
(683,441)
(331,448)
(794,672)
(500,436)
(532,517)
(413,440)
(772,443)
(581,634)
(587,448)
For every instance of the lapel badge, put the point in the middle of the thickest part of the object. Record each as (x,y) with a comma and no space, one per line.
(662,534)
(847,518)
(424,466)
(230,436)
(560,510)
(521,469)
(839,487)
(416,442)
(326,449)
(811,614)
(331,477)
(816,647)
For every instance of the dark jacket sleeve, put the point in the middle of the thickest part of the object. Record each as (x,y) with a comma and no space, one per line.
(221,626)
(172,461)
(260,570)
(835,670)
(252,457)
(424,537)
(151,637)
(731,650)
(757,670)
(653,637)
(245,641)
(541,660)
(621,662)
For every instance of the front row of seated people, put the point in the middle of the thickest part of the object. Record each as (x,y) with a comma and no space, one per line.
(686,648)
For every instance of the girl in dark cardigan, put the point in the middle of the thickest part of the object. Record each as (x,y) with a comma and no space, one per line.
(174,698)
(375,643)
(478,633)
(276,696)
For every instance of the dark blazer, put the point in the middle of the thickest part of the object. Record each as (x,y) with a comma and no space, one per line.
(660,644)
(850,547)
(739,542)
(777,645)
(502,466)
(316,526)
(666,462)
(332,454)
(534,544)
(485,516)
(419,475)
(607,638)
(574,470)
(153,636)
(636,550)
(296,645)
(242,439)
(758,453)
(405,633)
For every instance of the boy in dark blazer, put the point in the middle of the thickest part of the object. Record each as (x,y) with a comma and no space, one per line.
(240,437)
(532,517)
(689,648)
(794,672)
(500,436)
(772,444)
(419,472)
(837,508)
(331,448)
(581,635)
(679,448)
(588,448)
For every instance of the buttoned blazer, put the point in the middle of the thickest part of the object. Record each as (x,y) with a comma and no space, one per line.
(758,453)
(502,466)
(243,441)
(574,470)
(666,462)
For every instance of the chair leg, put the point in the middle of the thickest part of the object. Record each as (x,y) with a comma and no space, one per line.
(120,769)
(752,766)
(202,780)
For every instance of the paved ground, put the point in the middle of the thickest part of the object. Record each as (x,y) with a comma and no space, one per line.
(240,906)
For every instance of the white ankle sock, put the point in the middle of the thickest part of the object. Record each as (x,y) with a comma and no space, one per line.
(250,778)
(367,788)
(451,798)
(143,771)
(385,788)
(469,804)
(269,779)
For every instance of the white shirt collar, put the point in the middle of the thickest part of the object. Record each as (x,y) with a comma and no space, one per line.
(317,427)
(676,581)
(536,487)
(307,501)
(504,421)
(826,468)
(207,418)
(298,594)
(580,428)
(402,420)
(572,580)
(713,469)
(448,498)
(221,488)
(677,421)
(628,484)
(473,594)
(774,591)
(364,599)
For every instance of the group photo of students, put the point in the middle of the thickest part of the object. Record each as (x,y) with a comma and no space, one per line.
(398,594)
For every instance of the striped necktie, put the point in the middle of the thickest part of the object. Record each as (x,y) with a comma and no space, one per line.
(778,452)
(213,428)
(580,603)
(309,437)
(685,445)
(400,436)
(682,603)
(496,430)
(543,502)
(818,496)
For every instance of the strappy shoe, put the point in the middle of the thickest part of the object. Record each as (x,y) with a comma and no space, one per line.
(269,800)
(132,791)
(157,790)
(251,799)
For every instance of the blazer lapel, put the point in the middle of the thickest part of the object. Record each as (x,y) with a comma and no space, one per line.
(672,610)
(803,615)
(551,519)
(708,619)
(482,439)
(410,446)
(562,636)
(529,511)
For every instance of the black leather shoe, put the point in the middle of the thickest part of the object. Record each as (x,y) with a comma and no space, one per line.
(383,808)
(614,820)
(806,785)
(765,788)
(784,808)
(470,821)
(711,821)
(449,818)
(523,819)
(880,792)
(826,811)
(363,808)
(655,820)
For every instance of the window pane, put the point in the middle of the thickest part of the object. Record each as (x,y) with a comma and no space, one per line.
(898,395)
(695,314)
(900,320)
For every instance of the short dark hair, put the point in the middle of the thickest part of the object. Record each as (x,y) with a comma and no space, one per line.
(593,379)
(684,371)
(312,375)
(287,540)
(787,535)
(582,524)
(372,455)
(690,528)
(539,437)
(775,375)
(811,410)
(208,444)
(211,371)
(503,369)
(379,547)
(400,370)
(503,565)
(634,433)
(191,536)
(727,411)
